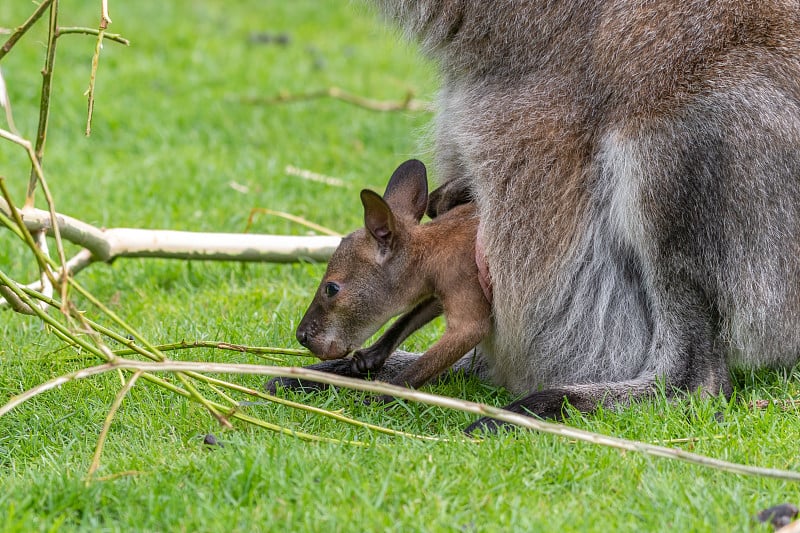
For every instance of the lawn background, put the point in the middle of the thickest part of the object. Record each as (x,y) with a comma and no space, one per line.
(175,140)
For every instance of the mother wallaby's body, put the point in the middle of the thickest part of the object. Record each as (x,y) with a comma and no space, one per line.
(636,167)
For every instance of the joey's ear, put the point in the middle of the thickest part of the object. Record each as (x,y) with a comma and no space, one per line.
(378,218)
(407,191)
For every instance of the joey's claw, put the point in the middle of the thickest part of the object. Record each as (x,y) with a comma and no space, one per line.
(363,362)
(359,365)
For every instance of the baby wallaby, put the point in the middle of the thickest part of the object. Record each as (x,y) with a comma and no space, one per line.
(395,265)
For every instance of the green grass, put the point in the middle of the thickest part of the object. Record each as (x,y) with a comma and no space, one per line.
(172,131)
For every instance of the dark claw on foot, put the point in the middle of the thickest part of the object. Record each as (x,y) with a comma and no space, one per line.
(487,426)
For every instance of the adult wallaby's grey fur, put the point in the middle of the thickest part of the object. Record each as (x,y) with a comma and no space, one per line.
(396,265)
(636,167)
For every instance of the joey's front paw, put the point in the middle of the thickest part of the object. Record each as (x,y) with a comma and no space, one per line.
(365,361)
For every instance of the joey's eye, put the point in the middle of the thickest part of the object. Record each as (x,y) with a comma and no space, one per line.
(331,289)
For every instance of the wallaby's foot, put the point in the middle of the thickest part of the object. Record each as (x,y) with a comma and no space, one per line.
(488,426)
(368,360)
(340,367)
(547,404)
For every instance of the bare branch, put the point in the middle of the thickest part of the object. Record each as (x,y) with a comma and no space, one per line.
(109,244)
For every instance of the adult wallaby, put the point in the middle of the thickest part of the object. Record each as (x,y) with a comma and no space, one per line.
(396,265)
(636,167)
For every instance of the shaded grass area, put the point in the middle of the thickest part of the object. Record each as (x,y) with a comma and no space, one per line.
(175,143)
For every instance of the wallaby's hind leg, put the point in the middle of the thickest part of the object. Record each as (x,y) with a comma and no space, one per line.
(372,358)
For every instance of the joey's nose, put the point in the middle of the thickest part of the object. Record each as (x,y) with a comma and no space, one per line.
(302,336)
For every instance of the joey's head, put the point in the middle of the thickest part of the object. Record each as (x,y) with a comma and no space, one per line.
(370,277)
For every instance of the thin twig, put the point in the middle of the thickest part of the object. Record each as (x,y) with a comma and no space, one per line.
(44,105)
(101,439)
(314,176)
(101,31)
(257,350)
(409,103)
(20,31)
(69,30)
(5,103)
(689,440)
(288,216)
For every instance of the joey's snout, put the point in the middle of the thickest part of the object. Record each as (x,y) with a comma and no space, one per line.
(302,335)
(321,338)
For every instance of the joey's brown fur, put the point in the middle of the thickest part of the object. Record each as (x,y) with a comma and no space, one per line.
(396,265)
(636,170)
